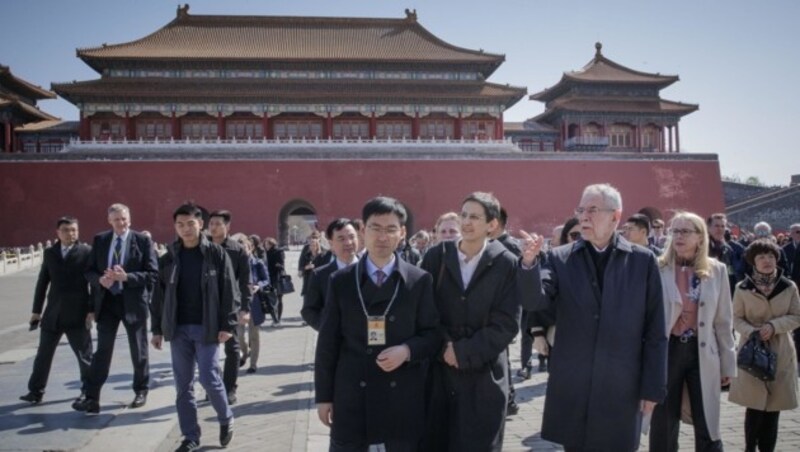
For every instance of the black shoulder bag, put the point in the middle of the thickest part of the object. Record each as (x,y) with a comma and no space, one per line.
(756,358)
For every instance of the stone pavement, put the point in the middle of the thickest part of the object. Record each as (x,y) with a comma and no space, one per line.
(275,411)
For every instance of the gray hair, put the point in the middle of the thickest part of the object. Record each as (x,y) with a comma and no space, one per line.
(610,195)
(118,207)
(762,225)
(794,226)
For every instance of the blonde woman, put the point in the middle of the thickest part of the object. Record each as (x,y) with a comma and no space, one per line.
(448,228)
(699,320)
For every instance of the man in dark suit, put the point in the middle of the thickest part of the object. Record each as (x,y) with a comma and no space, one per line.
(343,237)
(67,305)
(122,265)
(379,328)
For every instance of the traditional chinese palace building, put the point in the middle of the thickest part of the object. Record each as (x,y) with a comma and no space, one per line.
(272,117)
(18,106)
(209,77)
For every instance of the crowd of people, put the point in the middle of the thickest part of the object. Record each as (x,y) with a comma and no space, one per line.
(635,319)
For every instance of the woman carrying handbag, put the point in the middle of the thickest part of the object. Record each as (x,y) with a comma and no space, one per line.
(766,303)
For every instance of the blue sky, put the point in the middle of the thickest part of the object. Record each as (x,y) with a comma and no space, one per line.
(739,60)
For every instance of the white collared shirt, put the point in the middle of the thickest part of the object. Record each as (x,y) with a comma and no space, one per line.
(387,269)
(341,264)
(123,252)
(468,267)
(65,250)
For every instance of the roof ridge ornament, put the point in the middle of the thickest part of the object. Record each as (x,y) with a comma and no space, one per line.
(598,49)
(183,11)
(411,15)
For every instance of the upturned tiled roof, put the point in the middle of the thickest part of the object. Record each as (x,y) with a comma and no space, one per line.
(22,87)
(290,39)
(289,91)
(606,105)
(26,111)
(602,70)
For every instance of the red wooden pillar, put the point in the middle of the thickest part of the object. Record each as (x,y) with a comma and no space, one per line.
(220,125)
(175,125)
(38,144)
(677,139)
(458,131)
(7,129)
(129,133)
(498,129)
(373,126)
(328,132)
(415,126)
(84,129)
(661,140)
(265,125)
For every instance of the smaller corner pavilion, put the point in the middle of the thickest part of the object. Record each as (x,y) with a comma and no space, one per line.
(605,106)
(18,107)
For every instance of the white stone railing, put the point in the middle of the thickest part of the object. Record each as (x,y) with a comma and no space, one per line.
(243,143)
(15,259)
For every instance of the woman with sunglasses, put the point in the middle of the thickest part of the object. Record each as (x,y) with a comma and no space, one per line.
(699,320)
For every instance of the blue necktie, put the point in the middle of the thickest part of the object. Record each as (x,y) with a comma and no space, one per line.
(116,289)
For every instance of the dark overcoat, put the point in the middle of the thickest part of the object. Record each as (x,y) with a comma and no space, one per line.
(369,405)
(468,405)
(68,296)
(314,296)
(611,347)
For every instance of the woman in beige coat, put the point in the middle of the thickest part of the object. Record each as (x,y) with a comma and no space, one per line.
(768,303)
(701,356)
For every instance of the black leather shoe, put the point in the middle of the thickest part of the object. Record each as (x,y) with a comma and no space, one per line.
(512,409)
(139,400)
(251,370)
(87,405)
(79,399)
(225,434)
(32,397)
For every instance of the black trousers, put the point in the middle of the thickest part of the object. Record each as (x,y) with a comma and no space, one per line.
(107,326)
(760,430)
(390,446)
(230,371)
(277,312)
(80,340)
(526,341)
(683,366)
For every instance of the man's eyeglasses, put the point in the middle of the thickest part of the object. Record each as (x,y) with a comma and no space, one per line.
(591,210)
(390,230)
(471,216)
(575,235)
(682,232)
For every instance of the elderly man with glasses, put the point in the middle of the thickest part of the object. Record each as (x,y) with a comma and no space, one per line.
(608,369)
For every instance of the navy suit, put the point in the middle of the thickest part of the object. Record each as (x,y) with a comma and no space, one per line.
(131,307)
(67,304)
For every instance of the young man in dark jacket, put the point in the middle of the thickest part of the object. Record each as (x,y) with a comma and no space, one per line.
(378,330)
(195,307)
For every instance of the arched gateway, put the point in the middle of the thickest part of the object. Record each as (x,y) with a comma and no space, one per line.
(296,219)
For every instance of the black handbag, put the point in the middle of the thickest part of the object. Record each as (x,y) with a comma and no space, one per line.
(756,358)
(269,299)
(285,284)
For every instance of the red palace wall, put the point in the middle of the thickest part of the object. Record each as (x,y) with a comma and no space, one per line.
(538,194)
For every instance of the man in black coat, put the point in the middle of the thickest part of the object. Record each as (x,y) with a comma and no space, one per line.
(122,265)
(792,252)
(343,238)
(378,330)
(67,305)
(219,224)
(475,291)
(609,366)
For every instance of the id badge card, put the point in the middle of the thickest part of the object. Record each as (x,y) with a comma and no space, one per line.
(376,330)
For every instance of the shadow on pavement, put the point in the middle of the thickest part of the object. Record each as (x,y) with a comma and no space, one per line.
(30,420)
